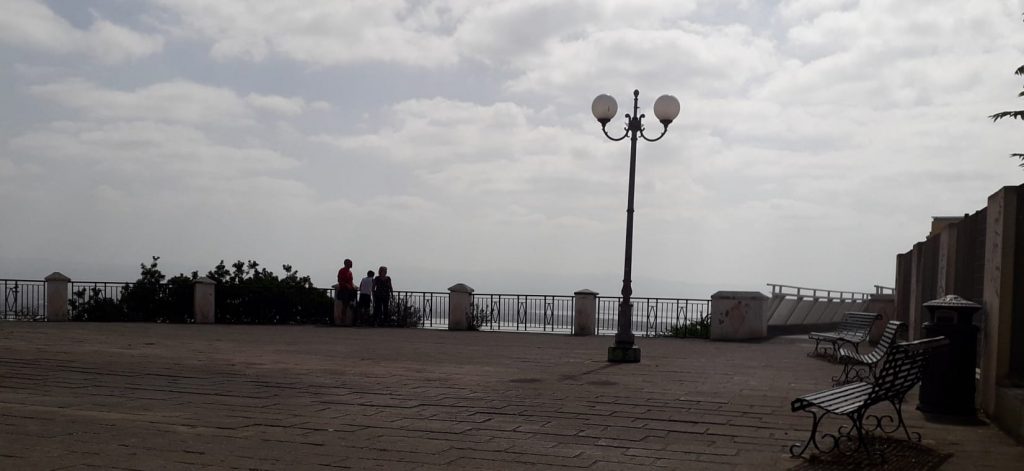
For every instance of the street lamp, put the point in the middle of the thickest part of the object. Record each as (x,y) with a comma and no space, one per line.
(666,108)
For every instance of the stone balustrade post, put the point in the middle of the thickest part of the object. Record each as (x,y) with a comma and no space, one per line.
(738,315)
(885,305)
(337,312)
(460,301)
(344,315)
(57,297)
(998,301)
(585,319)
(203,300)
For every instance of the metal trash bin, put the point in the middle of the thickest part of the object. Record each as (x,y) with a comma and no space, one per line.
(948,383)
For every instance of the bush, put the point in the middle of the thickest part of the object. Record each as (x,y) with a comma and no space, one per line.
(476,318)
(248,294)
(688,329)
(403,314)
(149,299)
(89,304)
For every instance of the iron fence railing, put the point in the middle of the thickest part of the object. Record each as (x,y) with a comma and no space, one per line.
(789,290)
(82,292)
(524,312)
(652,317)
(23,300)
(432,306)
(26,300)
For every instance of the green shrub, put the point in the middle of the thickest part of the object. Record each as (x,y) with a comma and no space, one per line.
(477,318)
(403,314)
(89,304)
(687,329)
(248,294)
(149,299)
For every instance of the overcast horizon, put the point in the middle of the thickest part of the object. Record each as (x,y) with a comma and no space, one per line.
(453,141)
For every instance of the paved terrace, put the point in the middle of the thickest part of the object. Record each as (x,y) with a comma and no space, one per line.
(145,396)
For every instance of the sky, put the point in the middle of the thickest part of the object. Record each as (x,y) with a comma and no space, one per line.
(453,140)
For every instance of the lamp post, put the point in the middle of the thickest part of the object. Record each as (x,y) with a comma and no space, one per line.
(666,108)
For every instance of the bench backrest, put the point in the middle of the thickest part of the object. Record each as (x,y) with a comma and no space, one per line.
(857,323)
(902,369)
(893,329)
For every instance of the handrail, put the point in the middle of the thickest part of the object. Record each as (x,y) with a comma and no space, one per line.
(814,292)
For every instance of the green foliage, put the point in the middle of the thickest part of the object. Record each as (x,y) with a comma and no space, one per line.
(1013,114)
(688,329)
(477,318)
(249,294)
(149,299)
(90,304)
(403,314)
(245,294)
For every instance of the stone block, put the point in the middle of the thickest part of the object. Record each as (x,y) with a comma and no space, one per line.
(585,317)
(460,301)
(203,300)
(57,297)
(738,315)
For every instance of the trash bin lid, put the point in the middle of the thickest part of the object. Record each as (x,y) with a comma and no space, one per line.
(951,302)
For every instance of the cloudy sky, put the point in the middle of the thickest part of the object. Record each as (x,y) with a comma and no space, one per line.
(453,141)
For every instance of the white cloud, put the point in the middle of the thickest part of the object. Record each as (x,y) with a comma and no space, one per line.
(137,148)
(796,10)
(288,106)
(33,24)
(326,33)
(471,148)
(814,134)
(175,101)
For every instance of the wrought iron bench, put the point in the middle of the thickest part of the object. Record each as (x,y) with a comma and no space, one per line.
(901,371)
(862,367)
(854,329)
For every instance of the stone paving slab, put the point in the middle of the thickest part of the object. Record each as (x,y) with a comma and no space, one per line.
(153,397)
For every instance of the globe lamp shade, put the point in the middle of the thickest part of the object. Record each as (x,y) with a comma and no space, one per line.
(604,108)
(666,108)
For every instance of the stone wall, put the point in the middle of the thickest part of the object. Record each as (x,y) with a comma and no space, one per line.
(977,258)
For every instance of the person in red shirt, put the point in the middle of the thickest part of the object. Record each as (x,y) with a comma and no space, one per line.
(346,291)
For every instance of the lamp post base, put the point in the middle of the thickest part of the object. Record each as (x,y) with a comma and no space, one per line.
(618,354)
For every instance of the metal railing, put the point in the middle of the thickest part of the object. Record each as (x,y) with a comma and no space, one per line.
(432,306)
(524,312)
(654,317)
(26,300)
(85,291)
(879,289)
(819,292)
(23,300)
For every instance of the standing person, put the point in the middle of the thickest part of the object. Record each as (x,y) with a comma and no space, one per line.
(381,296)
(365,292)
(346,292)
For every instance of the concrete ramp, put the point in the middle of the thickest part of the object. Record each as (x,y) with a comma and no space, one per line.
(795,309)
(781,311)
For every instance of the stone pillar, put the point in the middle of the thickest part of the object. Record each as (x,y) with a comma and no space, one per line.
(738,315)
(338,313)
(585,319)
(57,297)
(946,280)
(884,304)
(344,315)
(203,296)
(460,300)
(914,317)
(997,299)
